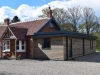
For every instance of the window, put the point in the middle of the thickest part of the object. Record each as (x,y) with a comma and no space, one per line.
(6,45)
(20,46)
(23,45)
(17,45)
(50,25)
(46,43)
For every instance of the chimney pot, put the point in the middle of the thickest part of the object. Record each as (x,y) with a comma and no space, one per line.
(49,13)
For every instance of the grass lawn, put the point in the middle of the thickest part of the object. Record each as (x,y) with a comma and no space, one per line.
(97,50)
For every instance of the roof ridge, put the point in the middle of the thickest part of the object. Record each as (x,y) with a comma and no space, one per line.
(30,20)
(3,25)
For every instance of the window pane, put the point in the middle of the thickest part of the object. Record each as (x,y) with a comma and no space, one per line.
(22,42)
(23,47)
(7,42)
(46,43)
(4,48)
(17,42)
(17,47)
(8,47)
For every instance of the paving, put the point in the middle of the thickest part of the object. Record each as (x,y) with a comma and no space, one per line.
(86,65)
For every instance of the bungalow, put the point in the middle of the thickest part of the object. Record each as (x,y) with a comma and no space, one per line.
(43,39)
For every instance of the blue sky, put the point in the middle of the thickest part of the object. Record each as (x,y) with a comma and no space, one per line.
(31,9)
(16,3)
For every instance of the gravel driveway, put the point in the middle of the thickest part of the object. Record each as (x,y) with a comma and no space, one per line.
(87,65)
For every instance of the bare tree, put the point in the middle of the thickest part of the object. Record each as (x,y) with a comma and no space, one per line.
(59,15)
(76,19)
(73,16)
(90,21)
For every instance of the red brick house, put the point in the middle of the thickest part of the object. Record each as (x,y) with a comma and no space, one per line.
(43,39)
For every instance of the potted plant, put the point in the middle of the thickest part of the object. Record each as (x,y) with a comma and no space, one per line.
(19,57)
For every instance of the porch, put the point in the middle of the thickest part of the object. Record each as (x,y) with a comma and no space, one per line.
(13,48)
(11,45)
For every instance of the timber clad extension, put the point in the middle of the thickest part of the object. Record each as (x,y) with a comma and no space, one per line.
(54,52)
(43,39)
(77,47)
(60,48)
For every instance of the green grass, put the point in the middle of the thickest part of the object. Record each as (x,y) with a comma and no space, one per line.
(97,50)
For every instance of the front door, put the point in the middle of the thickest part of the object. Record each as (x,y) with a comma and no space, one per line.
(12,47)
(70,48)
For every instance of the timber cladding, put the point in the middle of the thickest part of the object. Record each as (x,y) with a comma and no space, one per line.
(89,46)
(0,52)
(77,47)
(55,52)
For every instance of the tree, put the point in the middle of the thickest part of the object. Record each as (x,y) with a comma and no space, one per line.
(67,19)
(58,14)
(97,41)
(73,16)
(76,19)
(44,13)
(90,21)
(15,19)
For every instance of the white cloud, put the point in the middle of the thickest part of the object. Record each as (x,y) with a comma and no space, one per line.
(26,12)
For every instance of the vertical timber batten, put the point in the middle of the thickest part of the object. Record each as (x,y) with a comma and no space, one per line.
(83,48)
(32,48)
(64,48)
(67,48)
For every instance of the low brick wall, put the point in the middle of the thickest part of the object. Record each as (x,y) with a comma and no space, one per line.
(5,53)
(23,54)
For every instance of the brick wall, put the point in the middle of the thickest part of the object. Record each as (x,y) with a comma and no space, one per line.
(56,52)
(28,47)
(0,49)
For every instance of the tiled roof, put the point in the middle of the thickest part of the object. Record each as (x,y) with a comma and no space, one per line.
(20,30)
(2,30)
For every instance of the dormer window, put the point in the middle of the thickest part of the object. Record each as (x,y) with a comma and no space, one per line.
(50,25)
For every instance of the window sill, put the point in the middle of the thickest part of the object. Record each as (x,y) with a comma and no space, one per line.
(6,51)
(46,48)
(20,51)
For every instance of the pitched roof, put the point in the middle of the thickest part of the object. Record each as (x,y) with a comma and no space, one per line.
(21,29)
(31,26)
(2,30)
(19,32)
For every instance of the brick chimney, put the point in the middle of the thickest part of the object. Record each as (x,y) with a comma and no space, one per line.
(49,13)
(6,21)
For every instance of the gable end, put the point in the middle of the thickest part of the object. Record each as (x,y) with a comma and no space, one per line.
(46,27)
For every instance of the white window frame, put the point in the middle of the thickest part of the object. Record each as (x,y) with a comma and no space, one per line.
(6,50)
(20,46)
